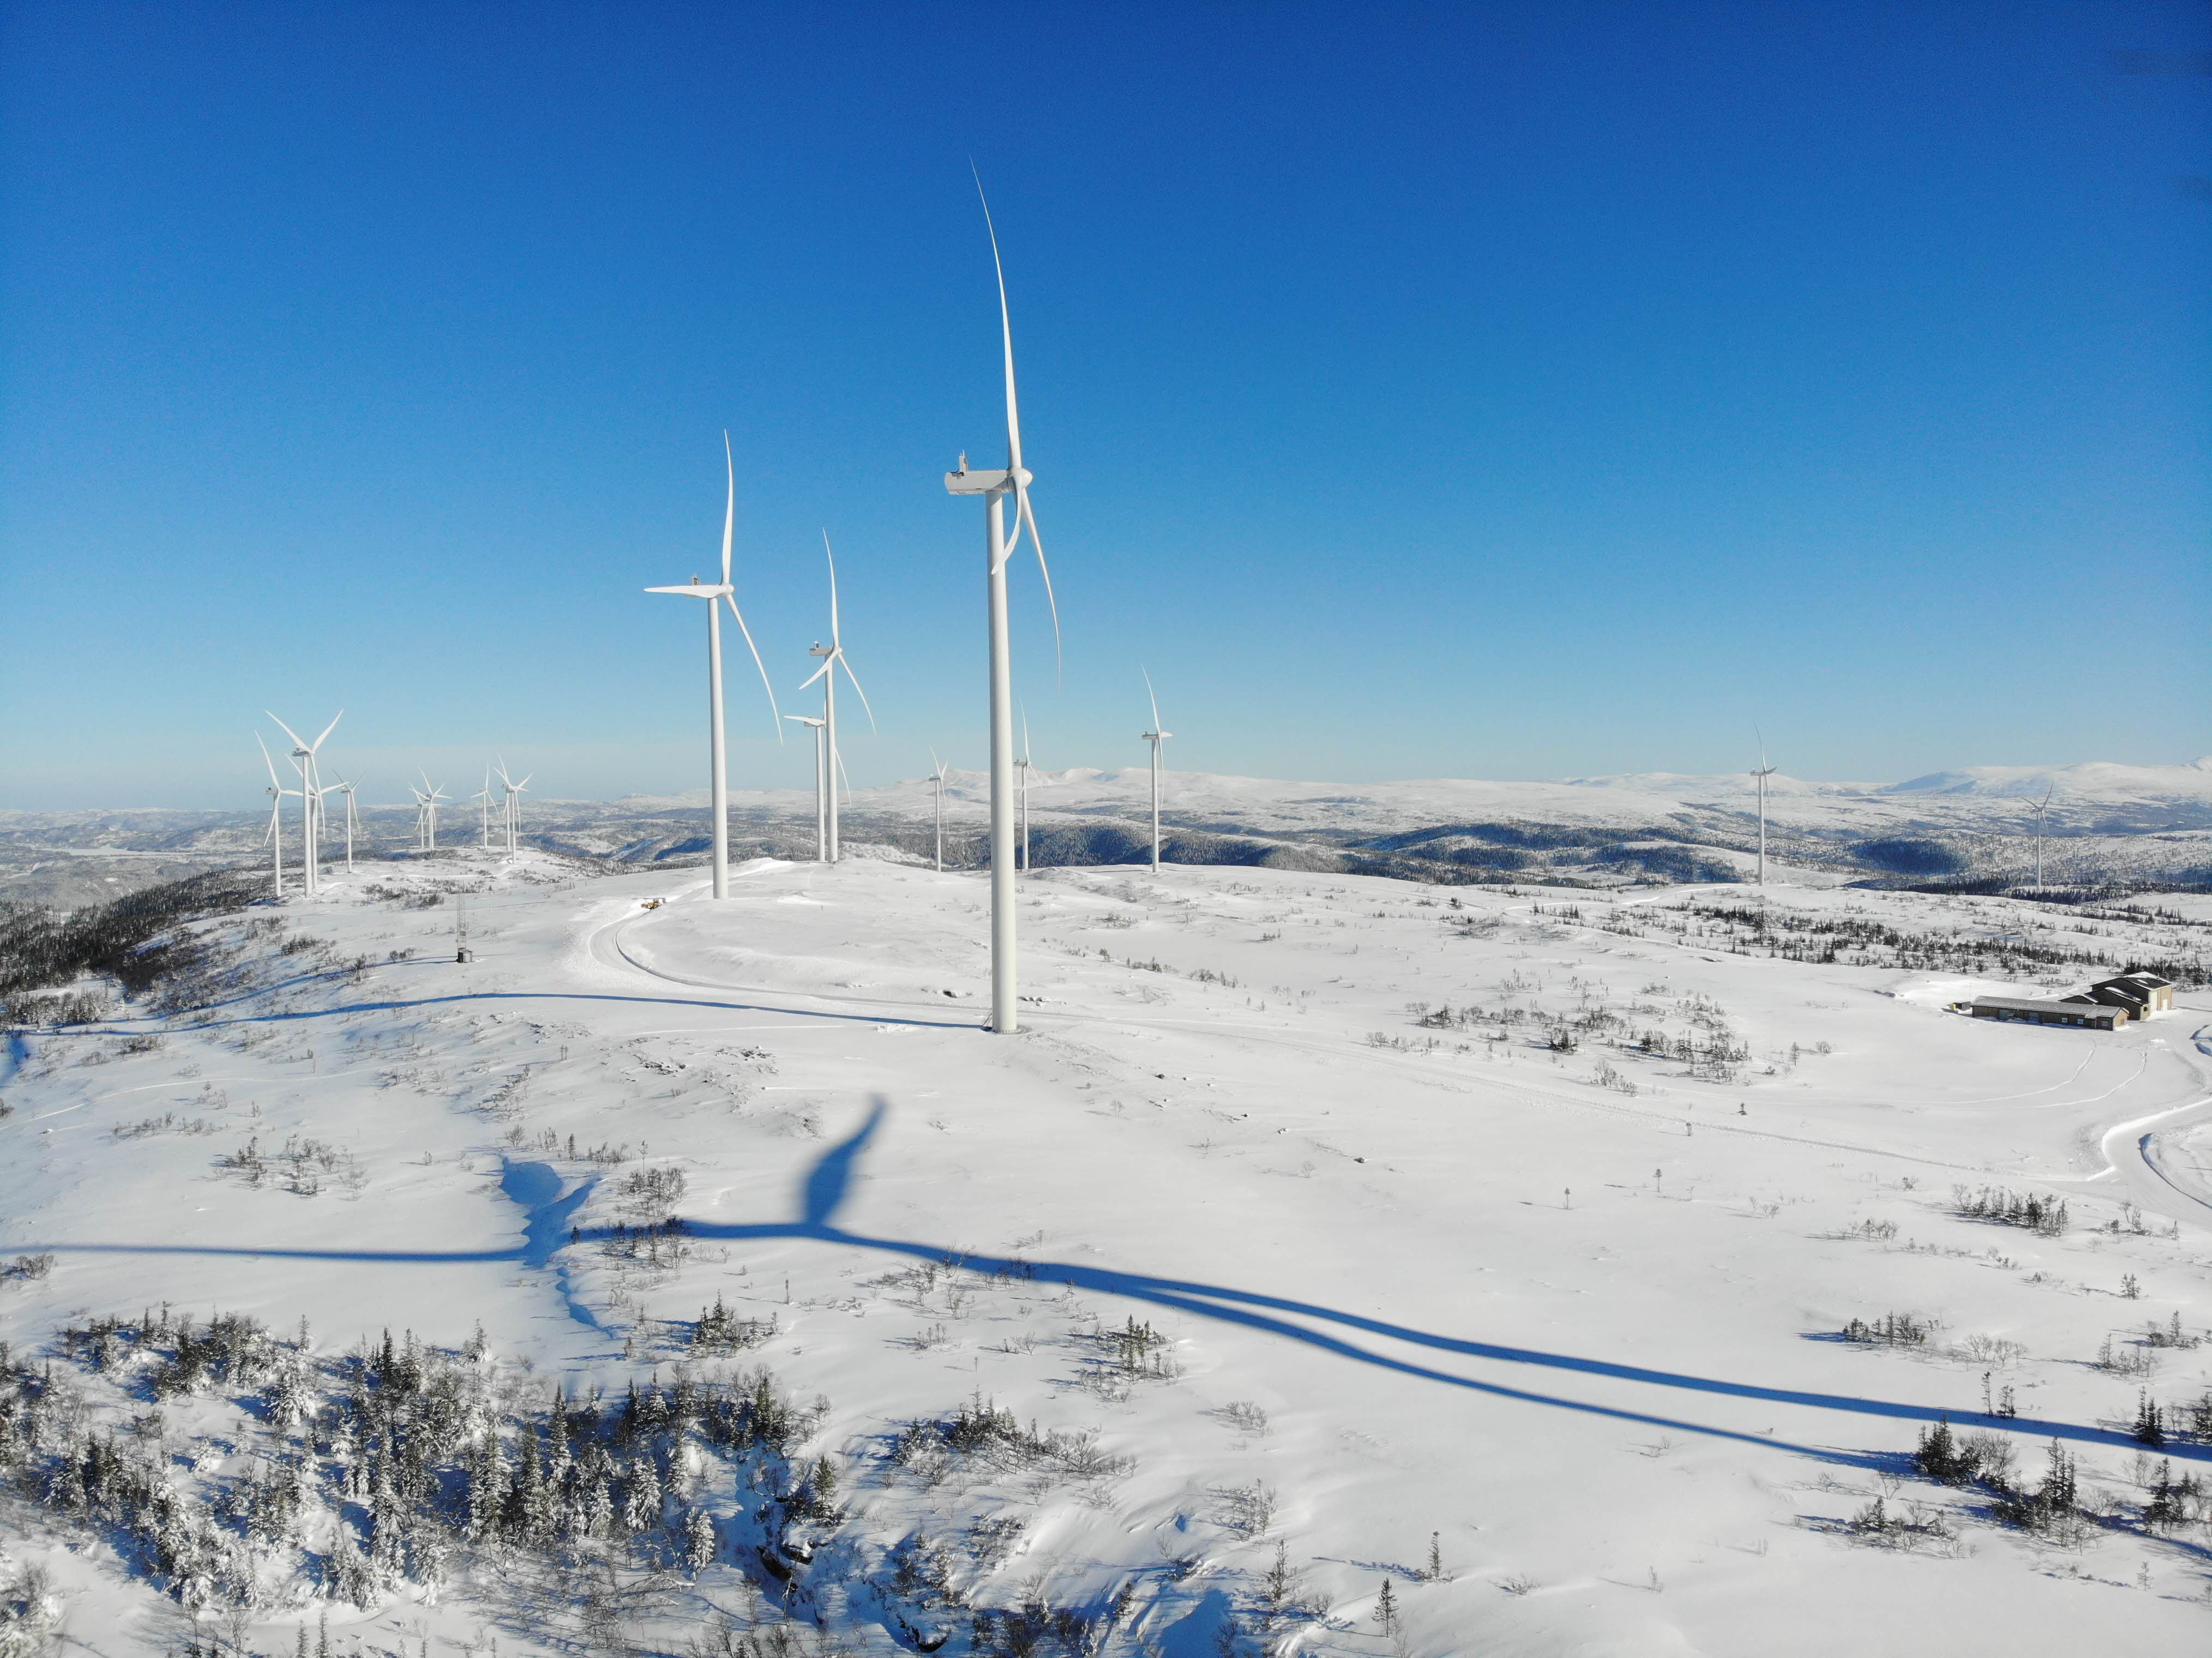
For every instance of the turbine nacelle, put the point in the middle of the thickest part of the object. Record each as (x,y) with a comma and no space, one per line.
(987,480)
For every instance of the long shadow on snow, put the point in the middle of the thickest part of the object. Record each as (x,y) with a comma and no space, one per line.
(824,1188)
(299,1015)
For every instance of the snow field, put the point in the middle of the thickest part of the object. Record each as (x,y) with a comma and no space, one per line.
(1590,1337)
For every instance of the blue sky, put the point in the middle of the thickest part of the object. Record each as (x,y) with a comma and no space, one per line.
(1416,390)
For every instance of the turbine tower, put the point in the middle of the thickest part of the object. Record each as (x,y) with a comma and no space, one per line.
(834,658)
(994,486)
(277,794)
(1760,776)
(311,798)
(718,767)
(1155,737)
(820,786)
(483,796)
(2049,790)
(938,778)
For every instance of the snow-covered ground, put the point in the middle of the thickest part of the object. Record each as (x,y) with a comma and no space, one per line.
(1574,1312)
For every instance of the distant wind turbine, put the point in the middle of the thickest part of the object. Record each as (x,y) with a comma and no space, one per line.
(718,766)
(834,658)
(275,838)
(994,486)
(484,795)
(2050,789)
(512,792)
(821,785)
(937,777)
(311,798)
(429,796)
(1156,736)
(352,817)
(1764,772)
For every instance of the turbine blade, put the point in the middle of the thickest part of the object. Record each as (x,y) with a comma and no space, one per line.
(730,510)
(816,675)
(1149,693)
(833,589)
(847,776)
(732,600)
(840,659)
(1026,733)
(1022,500)
(327,730)
(266,760)
(1006,329)
(287,731)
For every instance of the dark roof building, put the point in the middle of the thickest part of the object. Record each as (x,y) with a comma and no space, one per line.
(2078,1013)
(2142,994)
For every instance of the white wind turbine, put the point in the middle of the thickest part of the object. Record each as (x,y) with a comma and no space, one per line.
(2050,789)
(994,486)
(938,778)
(483,797)
(428,797)
(821,785)
(277,794)
(345,787)
(1760,776)
(1156,736)
(718,766)
(834,658)
(311,798)
(511,794)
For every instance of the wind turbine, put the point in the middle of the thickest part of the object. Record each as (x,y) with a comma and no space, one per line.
(347,788)
(1022,765)
(833,657)
(511,793)
(1764,772)
(277,794)
(1155,737)
(2049,790)
(311,797)
(429,795)
(484,795)
(821,785)
(718,767)
(938,778)
(994,486)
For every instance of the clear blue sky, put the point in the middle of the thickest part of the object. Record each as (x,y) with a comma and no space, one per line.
(1515,391)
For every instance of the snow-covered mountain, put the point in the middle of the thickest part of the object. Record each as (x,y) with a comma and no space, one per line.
(2106,821)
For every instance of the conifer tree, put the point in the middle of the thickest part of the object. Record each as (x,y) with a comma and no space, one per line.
(699,1547)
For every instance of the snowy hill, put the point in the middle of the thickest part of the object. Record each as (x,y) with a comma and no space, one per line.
(1313,1224)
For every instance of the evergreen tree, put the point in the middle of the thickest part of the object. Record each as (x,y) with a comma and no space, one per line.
(698,1546)
(1386,1608)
